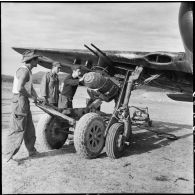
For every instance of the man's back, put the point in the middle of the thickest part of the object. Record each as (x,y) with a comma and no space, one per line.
(70,86)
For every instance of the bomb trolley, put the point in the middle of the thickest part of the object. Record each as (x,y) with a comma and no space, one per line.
(92,128)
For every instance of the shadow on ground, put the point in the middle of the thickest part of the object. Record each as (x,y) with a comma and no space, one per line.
(142,141)
(66,149)
(147,141)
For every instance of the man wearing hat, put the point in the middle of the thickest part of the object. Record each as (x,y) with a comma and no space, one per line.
(21,123)
(50,85)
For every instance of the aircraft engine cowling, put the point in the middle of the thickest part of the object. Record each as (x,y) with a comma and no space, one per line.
(100,86)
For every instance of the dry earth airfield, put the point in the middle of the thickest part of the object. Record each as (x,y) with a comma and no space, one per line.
(150,165)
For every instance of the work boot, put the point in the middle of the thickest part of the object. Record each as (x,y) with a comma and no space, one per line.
(33,153)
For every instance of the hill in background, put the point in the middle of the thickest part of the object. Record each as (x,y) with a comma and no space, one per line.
(36,77)
(7,78)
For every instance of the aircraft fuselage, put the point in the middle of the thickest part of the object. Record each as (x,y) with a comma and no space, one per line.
(186,31)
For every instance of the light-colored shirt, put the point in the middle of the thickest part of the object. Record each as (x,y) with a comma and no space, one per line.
(28,84)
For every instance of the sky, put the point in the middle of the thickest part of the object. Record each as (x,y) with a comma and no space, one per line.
(110,26)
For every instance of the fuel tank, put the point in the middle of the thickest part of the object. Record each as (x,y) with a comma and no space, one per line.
(100,86)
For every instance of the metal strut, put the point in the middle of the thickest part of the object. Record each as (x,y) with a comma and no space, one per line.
(121,113)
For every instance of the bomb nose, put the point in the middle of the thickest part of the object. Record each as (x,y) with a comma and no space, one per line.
(89,77)
(94,80)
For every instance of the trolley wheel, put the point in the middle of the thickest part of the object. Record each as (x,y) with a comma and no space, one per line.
(89,135)
(115,144)
(49,133)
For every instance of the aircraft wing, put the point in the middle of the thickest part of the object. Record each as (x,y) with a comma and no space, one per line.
(160,60)
(170,69)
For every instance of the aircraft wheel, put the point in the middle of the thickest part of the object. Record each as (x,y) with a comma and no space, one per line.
(89,135)
(49,135)
(115,145)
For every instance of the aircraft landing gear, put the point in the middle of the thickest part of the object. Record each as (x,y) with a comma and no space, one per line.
(119,130)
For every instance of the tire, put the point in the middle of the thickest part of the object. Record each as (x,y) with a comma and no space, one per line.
(114,141)
(47,135)
(89,135)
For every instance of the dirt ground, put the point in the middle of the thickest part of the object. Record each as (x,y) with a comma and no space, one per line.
(150,165)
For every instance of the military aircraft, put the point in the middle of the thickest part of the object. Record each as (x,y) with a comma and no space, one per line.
(106,70)
(173,70)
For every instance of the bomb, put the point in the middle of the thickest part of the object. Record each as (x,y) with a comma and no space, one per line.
(101,86)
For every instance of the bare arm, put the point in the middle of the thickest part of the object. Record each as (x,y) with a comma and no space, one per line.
(34,93)
(23,77)
(61,87)
(43,88)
